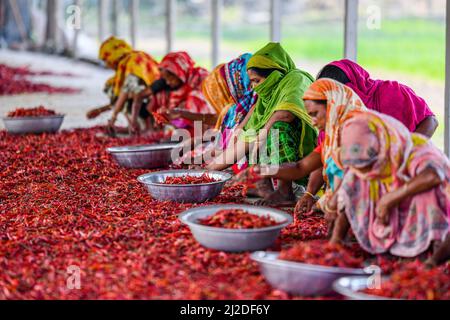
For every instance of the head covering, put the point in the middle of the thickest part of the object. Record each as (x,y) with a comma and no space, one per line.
(390,143)
(281,90)
(180,64)
(388,97)
(189,96)
(229,91)
(341,100)
(359,146)
(118,53)
(113,50)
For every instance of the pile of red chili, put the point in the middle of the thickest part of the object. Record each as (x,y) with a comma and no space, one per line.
(14,81)
(204,178)
(414,282)
(322,253)
(238,219)
(67,209)
(40,111)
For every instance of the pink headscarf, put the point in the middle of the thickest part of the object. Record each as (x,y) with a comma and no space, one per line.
(388,97)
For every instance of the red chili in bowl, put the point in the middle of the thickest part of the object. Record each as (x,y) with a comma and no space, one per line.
(238,219)
(40,111)
(205,178)
(322,253)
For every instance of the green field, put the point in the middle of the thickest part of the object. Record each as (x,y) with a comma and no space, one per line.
(410,46)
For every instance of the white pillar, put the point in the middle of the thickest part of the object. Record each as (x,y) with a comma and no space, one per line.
(275,20)
(134,15)
(170,24)
(447,83)
(216,31)
(115,17)
(102,19)
(78,4)
(351,30)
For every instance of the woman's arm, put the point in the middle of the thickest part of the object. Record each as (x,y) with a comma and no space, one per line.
(288,171)
(247,117)
(424,181)
(428,126)
(136,107)
(279,116)
(233,153)
(118,107)
(316,180)
(291,171)
(206,118)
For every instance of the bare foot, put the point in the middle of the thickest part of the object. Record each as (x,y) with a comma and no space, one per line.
(278,198)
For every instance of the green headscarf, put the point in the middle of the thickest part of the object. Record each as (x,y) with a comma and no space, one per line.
(283,89)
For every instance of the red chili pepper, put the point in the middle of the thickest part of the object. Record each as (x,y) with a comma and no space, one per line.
(40,111)
(65,202)
(204,178)
(238,219)
(414,282)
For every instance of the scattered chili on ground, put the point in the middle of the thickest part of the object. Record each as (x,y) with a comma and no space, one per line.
(65,204)
(14,81)
(415,282)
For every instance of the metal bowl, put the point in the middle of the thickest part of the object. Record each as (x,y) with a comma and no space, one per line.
(189,193)
(300,278)
(24,125)
(235,240)
(144,156)
(351,287)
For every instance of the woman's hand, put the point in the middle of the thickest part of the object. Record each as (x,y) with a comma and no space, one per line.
(92,114)
(305,204)
(384,206)
(250,175)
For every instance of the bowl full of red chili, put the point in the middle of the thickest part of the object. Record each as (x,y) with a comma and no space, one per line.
(185,186)
(234,227)
(33,120)
(308,269)
(150,156)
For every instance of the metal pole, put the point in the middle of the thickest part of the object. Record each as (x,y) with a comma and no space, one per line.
(447,82)
(102,19)
(216,31)
(275,21)
(134,9)
(115,17)
(54,8)
(78,4)
(170,23)
(351,30)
